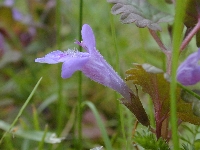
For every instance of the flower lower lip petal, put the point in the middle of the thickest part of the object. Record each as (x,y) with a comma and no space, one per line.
(73,64)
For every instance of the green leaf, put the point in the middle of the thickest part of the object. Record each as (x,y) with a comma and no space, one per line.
(148,141)
(187,147)
(152,81)
(185,113)
(192,97)
(155,82)
(135,106)
(139,12)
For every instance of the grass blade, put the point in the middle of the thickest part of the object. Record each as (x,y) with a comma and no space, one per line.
(100,124)
(21,110)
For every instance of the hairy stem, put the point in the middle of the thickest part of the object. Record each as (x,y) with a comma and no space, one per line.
(163,49)
(158,125)
(158,41)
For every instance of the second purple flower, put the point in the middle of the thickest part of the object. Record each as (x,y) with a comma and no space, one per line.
(188,72)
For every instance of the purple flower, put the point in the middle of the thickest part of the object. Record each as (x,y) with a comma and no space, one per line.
(188,72)
(91,63)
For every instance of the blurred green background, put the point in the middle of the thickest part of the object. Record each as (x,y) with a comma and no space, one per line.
(28,31)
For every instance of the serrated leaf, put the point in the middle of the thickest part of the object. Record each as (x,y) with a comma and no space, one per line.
(139,12)
(135,106)
(187,147)
(185,113)
(148,141)
(188,96)
(153,81)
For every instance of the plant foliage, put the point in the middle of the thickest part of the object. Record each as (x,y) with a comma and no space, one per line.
(139,12)
(148,141)
(155,82)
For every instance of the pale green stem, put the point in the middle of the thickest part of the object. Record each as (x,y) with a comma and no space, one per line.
(79,111)
(60,104)
(177,38)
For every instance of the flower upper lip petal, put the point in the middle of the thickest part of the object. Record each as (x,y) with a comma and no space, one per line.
(53,57)
(59,56)
(88,38)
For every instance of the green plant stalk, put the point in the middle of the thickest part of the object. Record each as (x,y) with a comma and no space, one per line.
(119,107)
(143,41)
(41,144)
(58,23)
(121,119)
(35,118)
(100,124)
(177,37)
(189,91)
(21,110)
(79,111)
(60,103)
(129,122)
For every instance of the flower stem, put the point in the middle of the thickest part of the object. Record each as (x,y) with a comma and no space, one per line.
(158,41)
(163,49)
(79,111)
(60,105)
(177,35)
